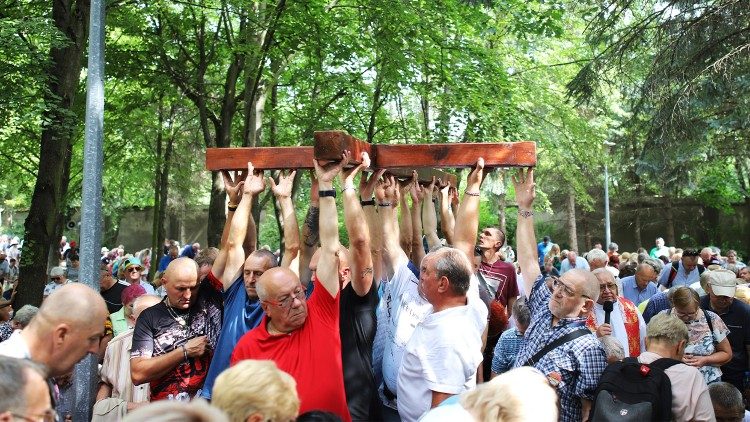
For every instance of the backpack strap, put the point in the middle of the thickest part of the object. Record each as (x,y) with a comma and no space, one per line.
(673,273)
(664,363)
(710,328)
(555,344)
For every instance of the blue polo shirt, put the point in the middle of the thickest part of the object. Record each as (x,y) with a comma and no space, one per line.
(631,291)
(241,314)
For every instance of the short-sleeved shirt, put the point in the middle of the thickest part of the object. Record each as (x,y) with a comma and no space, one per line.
(581,264)
(241,314)
(701,341)
(113,296)
(501,276)
(577,364)
(115,370)
(401,309)
(158,332)
(311,354)
(680,279)
(5,330)
(656,304)
(506,350)
(51,287)
(631,291)
(737,320)
(442,355)
(357,326)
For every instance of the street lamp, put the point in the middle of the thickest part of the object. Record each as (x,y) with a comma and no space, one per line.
(607,233)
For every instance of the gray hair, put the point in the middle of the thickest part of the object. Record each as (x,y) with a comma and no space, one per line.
(455,266)
(727,396)
(12,392)
(668,328)
(174,411)
(613,246)
(521,312)
(612,347)
(596,254)
(25,314)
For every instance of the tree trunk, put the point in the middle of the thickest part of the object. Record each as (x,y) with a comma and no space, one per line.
(216,214)
(572,236)
(637,230)
(71,18)
(587,237)
(161,190)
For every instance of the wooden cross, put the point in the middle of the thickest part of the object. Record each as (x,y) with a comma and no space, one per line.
(398,159)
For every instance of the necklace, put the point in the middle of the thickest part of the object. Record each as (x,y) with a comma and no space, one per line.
(179,318)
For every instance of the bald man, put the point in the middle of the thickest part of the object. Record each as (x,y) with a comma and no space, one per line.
(68,326)
(302,335)
(174,340)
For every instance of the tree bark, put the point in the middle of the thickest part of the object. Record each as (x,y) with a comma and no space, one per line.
(42,227)
(161,190)
(572,236)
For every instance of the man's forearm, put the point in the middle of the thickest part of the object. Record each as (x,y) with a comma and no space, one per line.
(144,370)
(527,259)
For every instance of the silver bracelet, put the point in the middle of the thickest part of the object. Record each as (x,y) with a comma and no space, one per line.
(525,213)
(184,352)
(471,193)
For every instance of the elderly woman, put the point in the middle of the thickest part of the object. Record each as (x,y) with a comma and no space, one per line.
(6,313)
(708,347)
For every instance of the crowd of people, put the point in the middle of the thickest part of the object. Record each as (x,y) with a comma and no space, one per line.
(422,316)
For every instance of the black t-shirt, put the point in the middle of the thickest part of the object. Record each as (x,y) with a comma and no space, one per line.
(113,297)
(159,330)
(737,319)
(357,325)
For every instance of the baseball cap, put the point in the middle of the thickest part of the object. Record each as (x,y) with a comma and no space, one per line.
(132,292)
(722,282)
(132,262)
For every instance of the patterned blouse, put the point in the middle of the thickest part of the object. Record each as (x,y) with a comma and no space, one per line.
(701,343)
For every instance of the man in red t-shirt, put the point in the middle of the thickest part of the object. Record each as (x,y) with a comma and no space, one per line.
(500,277)
(302,336)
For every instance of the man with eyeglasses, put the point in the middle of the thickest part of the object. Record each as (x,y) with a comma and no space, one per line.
(302,336)
(24,393)
(237,272)
(572,365)
(57,280)
(626,323)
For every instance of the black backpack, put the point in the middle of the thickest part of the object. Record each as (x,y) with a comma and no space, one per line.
(634,391)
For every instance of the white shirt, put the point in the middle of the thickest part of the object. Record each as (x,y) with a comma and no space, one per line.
(618,325)
(443,355)
(15,347)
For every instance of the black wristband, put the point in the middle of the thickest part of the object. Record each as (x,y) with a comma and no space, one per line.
(369,202)
(324,193)
(232,208)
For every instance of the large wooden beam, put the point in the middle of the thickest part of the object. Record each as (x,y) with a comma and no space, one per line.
(456,155)
(329,145)
(264,158)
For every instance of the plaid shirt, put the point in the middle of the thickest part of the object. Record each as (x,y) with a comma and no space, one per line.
(578,364)
(506,350)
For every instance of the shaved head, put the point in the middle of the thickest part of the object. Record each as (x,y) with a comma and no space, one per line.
(144,302)
(68,326)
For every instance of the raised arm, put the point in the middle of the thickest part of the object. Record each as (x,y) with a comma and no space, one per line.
(283,193)
(328,265)
(393,255)
(310,234)
(526,251)
(447,221)
(429,217)
(356,227)
(467,218)
(253,185)
(233,188)
(417,197)
(404,226)
(366,193)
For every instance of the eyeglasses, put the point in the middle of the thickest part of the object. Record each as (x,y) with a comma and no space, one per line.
(286,303)
(567,291)
(691,315)
(55,278)
(610,286)
(133,270)
(48,416)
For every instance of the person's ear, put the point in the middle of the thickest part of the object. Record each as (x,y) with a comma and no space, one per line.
(680,349)
(7,417)
(443,284)
(59,334)
(588,306)
(255,417)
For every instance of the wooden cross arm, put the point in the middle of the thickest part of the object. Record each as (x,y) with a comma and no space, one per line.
(263,158)
(456,155)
